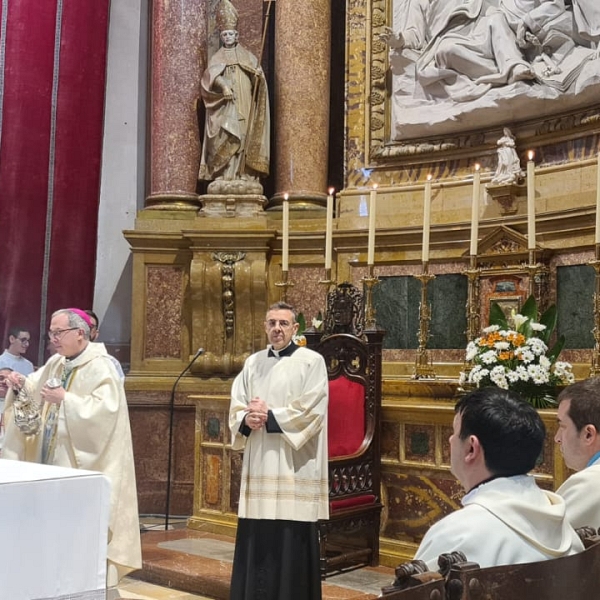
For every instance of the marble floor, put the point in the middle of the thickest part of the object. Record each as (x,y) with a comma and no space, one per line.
(134,589)
(187,564)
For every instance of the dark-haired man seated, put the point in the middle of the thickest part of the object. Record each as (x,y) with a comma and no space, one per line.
(506,518)
(578,436)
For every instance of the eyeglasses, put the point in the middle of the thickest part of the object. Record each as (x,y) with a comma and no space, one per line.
(59,333)
(272,323)
(24,340)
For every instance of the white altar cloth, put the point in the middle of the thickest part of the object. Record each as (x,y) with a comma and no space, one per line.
(53,532)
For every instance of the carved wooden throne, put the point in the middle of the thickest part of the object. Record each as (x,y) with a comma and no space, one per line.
(350,538)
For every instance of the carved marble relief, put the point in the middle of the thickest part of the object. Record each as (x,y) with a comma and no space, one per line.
(412,110)
(446,72)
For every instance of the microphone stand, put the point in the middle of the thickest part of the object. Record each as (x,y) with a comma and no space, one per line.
(170,452)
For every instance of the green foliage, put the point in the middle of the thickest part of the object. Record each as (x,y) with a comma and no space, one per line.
(301,324)
(530,310)
(497,316)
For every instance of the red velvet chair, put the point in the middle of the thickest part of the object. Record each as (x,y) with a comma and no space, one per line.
(350,538)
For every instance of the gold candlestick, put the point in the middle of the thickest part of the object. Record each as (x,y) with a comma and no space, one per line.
(538,280)
(423,366)
(284,284)
(473,307)
(370,282)
(473,300)
(532,268)
(595,368)
(328,281)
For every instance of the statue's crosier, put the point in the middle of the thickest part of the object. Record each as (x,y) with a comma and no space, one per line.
(235,148)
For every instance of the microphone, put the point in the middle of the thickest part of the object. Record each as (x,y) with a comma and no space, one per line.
(198,354)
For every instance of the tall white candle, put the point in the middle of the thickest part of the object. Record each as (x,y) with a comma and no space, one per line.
(598,201)
(475,211)
(426,219)
(530,201)
(285,251)
(372,213)
(329,229)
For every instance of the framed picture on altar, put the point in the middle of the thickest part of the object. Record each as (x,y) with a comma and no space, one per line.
(508,304)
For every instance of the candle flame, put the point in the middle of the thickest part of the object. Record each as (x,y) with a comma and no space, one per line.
(286,196)
(477,166)
(530,155)
(331,190)
(429,177)
(374,186)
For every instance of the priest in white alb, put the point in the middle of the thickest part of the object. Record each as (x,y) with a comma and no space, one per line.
(578,435)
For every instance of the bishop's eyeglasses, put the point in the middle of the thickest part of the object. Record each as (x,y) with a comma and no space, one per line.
(58,334)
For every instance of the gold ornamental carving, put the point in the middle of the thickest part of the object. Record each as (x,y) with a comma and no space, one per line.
(228,260)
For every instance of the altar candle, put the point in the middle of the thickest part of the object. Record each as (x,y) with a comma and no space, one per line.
(372,212)
(286,233)
(426,219)
(598,201)
(329,229)
(530,201)
(475,211)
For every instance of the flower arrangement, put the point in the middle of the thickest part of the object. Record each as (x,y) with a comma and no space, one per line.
(513,353)
(317,324)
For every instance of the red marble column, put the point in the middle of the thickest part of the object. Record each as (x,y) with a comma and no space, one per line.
(302,59)
(178,55)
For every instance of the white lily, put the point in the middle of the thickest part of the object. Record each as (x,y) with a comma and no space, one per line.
(518,320)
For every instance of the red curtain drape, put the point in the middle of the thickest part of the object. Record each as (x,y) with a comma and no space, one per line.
(52,82)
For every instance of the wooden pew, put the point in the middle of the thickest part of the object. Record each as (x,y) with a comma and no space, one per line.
(574,577)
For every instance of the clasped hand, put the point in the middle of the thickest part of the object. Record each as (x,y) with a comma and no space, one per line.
(256,413)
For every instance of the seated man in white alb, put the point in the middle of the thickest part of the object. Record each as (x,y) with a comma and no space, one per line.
(506,518)
(578,436)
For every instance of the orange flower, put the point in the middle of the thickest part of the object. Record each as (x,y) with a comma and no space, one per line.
(491,338)
(517,339)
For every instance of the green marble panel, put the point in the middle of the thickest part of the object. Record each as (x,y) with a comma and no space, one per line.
(575,304)
(396,301)
(448,299)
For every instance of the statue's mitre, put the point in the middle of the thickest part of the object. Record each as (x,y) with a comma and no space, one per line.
(227,16)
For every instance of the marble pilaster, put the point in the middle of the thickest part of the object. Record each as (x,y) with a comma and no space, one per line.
(178,42)
(302,59)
